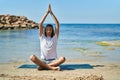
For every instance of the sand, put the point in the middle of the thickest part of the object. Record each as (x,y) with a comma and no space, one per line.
(100,71)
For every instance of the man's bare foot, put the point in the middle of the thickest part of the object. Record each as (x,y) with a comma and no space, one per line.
(39,68)
(56,68)
(52,68)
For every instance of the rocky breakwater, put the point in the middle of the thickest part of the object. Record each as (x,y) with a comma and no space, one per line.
(8,22)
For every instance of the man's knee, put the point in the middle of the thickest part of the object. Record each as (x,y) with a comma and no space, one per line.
(63,59)
(32,57)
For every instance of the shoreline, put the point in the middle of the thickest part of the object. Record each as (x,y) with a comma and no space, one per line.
(106,70)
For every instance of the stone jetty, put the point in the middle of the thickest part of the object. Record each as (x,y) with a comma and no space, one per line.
(8,22)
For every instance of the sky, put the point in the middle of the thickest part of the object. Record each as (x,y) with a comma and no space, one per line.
(66,11)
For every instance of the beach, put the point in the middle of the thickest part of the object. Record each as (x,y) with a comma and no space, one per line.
(92,52)
(83,33)
(100,71)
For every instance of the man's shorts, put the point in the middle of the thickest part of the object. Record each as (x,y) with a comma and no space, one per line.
(47,61)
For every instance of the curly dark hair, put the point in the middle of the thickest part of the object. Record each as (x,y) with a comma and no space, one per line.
(50,25)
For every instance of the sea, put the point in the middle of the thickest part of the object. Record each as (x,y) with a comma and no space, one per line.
(76,41)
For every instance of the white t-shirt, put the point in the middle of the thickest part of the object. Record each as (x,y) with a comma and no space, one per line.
(48,47)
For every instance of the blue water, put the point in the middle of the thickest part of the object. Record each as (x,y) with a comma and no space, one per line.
(18,45)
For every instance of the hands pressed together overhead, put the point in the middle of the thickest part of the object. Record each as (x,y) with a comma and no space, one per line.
(49,9)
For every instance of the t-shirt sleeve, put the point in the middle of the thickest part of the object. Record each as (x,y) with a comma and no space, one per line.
(41,37)
(55,37)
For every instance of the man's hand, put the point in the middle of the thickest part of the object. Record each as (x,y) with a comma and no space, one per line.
(49,9)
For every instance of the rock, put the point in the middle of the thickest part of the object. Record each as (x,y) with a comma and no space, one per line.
(8,22)
(109,43)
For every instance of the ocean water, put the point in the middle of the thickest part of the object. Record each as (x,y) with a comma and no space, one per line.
(76,41)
